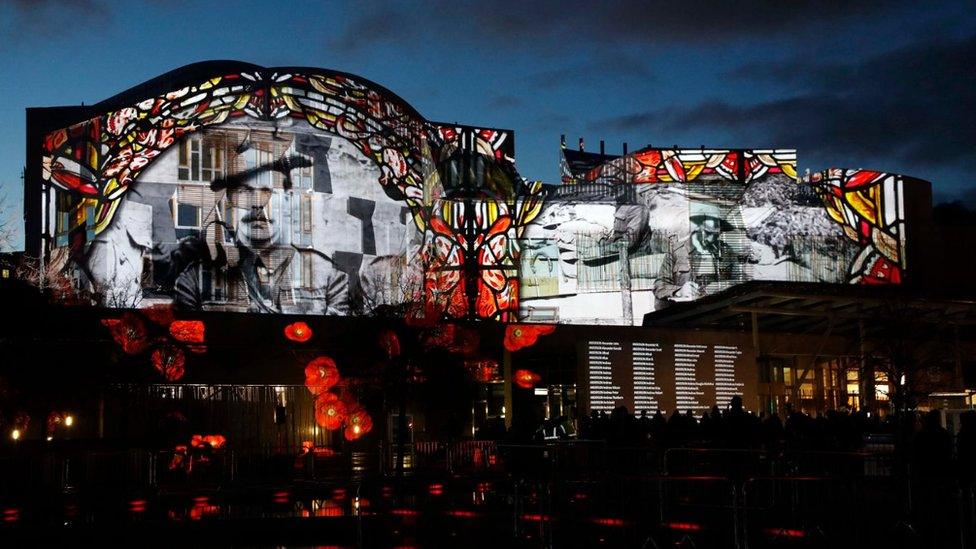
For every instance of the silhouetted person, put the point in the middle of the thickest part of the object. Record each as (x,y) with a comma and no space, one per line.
(966,448)
(932,448)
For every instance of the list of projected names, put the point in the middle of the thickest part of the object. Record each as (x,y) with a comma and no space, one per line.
(604,394)
(647,392)
(726,386)
(647,377)
(688,393)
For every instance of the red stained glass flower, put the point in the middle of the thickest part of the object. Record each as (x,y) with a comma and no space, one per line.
(170,361)
(321,374)
(330,411)
(187,331)
(129,332)
(526,379)
(358,424)
(519,336)
(298,331)
(390,343)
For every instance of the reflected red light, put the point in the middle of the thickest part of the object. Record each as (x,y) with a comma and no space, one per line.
(137,506)
(436,489)
(200,510)
(339,494)
(404,512)
(463,514)
(280,497)
(786,532)
(484,487)
(536,518)
(609,522)
(11,515)
(329,509)
(683,526)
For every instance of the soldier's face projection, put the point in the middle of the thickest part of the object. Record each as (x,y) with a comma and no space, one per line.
(253,222)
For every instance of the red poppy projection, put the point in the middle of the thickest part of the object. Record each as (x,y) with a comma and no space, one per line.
(519,336)
(526,379)
(129,332)
(187,331)
(358,424)
(330,411)
(215,441)
(155,328)
(321,374)
(170,361)
(298,332)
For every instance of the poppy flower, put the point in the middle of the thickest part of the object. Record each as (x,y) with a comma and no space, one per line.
(298,332)
(390,343)
(330,412)
(170,361)
(187,331)
(321,374)
(526,379)
(129,332)
(519,336)
(215,441)
(358,423)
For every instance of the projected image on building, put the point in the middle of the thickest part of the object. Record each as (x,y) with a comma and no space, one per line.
(307,191)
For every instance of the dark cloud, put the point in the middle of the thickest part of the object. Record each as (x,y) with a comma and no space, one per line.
(914,105)
(28,20)
(564,25)
(505,101)
(602,71)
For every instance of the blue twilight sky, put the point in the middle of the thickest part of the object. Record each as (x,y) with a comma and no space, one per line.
(885,84)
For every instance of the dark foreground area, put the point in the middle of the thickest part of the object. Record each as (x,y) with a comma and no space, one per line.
(560,494)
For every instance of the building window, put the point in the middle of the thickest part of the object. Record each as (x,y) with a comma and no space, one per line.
(147,272)
(853,388)
(306,270)
(228,219)
(306,213)
(200,160)
(254,159)
(187,220)
(881,386)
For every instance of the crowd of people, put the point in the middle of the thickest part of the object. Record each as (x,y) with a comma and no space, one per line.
(929,447)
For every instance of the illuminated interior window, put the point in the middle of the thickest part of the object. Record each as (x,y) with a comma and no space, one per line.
(881,386)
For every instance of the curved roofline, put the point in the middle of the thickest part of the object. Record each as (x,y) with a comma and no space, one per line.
(194,73)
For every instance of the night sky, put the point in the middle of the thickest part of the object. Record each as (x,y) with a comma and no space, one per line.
(887,85)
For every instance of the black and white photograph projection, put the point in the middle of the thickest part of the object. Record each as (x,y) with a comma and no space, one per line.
(334,197)
(253,216)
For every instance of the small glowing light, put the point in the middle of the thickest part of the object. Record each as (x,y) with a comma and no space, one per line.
(356,429)
(69,420)
(50,438)
(503,409)
(15,434)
